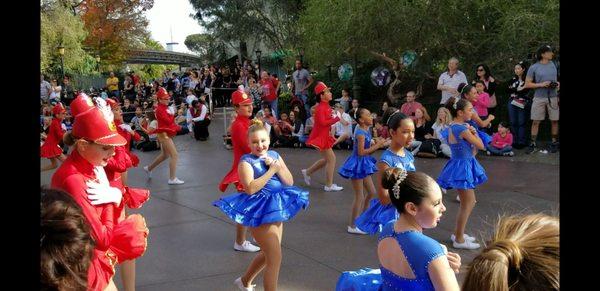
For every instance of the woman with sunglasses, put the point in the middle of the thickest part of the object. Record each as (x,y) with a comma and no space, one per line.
(484,74)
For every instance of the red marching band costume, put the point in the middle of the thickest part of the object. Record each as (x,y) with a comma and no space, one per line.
(115,241)
(165,116)
(50,148)
(320,137)
(239,141)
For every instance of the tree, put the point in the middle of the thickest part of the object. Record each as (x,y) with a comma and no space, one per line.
(205,45)
(115,26)
(60,27)
(233,21)
(495,32)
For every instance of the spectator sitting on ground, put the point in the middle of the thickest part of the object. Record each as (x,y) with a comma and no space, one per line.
(149,128)
(45,90)
(268,117)
(260,116)
(343,129)
(190,97)
(442,122)
(66,246)
(181,120)
(380,130)
(345,100)
(384,108)
(55,92)
(298,130)
(523,254)
(128,111)
(410,107)
(310,123)
(427,146)
(300,114)
(501,144)
(283,132)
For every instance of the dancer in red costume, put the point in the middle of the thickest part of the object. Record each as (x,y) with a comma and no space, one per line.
(167,129)
(94,138)
(50,149)
(116,172)
(239,139)
(320,138)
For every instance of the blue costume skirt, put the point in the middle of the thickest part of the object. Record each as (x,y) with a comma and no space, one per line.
(376,216)
(462,174)
(358,167)
(365,279)
(263,206)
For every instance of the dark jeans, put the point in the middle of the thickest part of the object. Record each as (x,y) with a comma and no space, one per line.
(518,120)
(201,129)
(498,152)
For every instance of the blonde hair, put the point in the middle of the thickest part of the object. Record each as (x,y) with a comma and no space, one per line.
(522,255)
(256,125)
(447,119)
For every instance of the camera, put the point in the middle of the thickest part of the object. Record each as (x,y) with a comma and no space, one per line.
(553,84)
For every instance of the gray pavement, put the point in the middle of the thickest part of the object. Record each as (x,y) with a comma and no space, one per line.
(190,245)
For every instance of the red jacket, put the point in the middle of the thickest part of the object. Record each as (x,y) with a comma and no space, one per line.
(320,137)
(166,121)
(239,141)
(115,242)
(50,148)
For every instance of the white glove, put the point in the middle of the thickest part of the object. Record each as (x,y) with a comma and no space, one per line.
(196,119)
(63,126)
(171,110)
(101,176)
(126,127)
(101,194)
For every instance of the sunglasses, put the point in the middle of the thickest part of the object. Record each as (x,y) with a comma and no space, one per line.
(480,70)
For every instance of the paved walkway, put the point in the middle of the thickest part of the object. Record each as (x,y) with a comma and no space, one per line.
(190,246)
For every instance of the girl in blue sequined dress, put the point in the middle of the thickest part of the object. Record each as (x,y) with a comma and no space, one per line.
(360,165)
(408,259)
(462,172)
(402,132)
(269,199)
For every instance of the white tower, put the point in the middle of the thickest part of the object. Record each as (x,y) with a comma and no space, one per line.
(171,44)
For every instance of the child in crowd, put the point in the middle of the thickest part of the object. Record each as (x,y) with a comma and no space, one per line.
(501,142)
(309,124)
(343,128)
(360,165)
(283,131)
(268,199)
(482,102)
(402,132)
(442,122)
(344,100)
(380,129)
(297,129)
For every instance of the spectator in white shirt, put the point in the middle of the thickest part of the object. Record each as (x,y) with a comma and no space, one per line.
(190,97)
(343,128)
(449,81)
(45,89)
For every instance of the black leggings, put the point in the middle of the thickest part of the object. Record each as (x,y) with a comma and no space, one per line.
(201,129)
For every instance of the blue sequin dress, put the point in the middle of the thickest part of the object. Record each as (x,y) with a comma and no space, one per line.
(377,215)
(356,166)
(275,202)
(419,250)
(462,171)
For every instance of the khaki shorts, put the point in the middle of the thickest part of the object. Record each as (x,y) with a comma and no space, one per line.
(539,106)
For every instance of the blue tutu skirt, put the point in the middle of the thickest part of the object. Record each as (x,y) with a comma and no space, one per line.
(376,216)
(263,207)
(365,279)
(485,138)
(358,167)
(462,174)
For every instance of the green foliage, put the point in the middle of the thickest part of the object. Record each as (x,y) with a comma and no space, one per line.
(60,26)
(283,102)
(205,45)
(496,32)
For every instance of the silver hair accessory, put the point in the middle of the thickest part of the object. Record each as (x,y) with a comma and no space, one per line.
(401,176)
(392,115)
(355,111)
(455,102)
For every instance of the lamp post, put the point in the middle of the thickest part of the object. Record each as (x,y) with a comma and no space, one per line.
(98,62)
(61,52)
(302,56)
(258,54)
(329,71)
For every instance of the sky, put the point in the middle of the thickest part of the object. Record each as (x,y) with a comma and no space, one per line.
(166,14)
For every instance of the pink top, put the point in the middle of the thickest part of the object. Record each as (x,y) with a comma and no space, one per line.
(481,106)
(500,142)
(409,109)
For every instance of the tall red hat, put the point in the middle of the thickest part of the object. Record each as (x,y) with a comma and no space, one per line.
(83,103)
(162,94)
(58,108)
(240,97)
(94,125)
(320,87)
